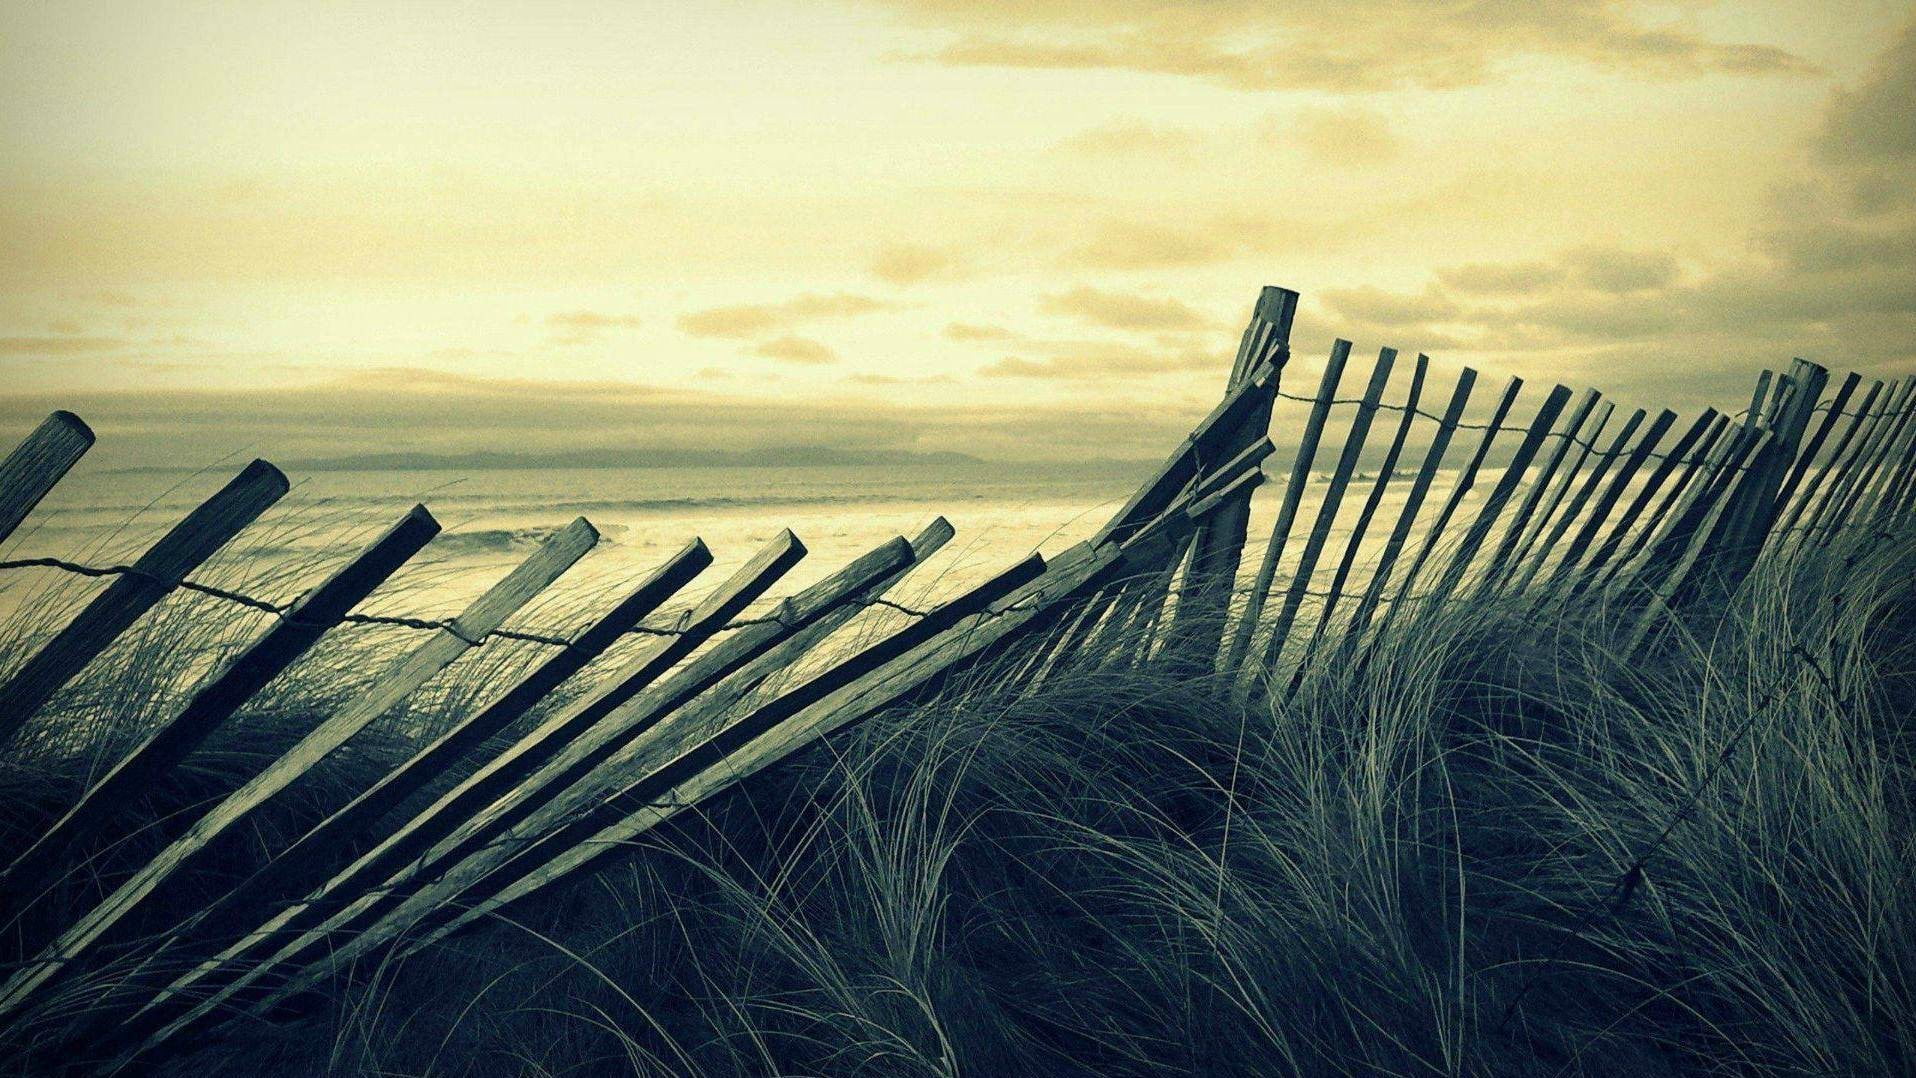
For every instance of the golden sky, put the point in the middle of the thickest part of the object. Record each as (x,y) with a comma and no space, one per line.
(310,228)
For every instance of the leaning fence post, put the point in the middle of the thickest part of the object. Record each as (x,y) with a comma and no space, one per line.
(1621,532)
(314,855)
(151,578)
(1466,479)
(1198,625)
(1507,484)
(1859,421)
(1407,515)
(1287,512)
(1519,525)
(37,463)
(225,692)
(1753,518)
(446,644)
(1386,471)
(1574,510)
(1328,506)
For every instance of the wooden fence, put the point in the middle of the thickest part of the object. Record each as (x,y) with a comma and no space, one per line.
(1396,501)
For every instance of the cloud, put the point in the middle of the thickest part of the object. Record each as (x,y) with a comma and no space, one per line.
(1133,137)
(1500,278)
(578,327)
(1379,307)
(1868,133)
(969,331)
(410,410)
(791,349)
(1128,244)
(1119,310)
(1339,46)
(1099,360)
(751,320)
(869,379)
(1612,269)
(912,263)
(590,320)
(1349,136)
(63,345)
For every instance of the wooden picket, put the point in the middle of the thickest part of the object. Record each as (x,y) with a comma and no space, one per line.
(464,826)
(152,578)
(37,463)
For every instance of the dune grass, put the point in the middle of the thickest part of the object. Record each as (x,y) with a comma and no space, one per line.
(1499,846)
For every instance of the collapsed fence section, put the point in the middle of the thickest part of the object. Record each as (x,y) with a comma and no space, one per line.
(1403,492)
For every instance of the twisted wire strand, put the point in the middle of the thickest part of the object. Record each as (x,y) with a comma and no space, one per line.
(287,611)
(1589,444)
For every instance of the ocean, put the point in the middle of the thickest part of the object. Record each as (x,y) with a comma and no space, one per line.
(492,518)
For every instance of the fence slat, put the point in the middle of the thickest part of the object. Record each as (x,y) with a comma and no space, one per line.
(1692,569)
(154,576)
(926,651)
(485,614)
(1247,623)
(1459,558)
(1585,445)
(169,1009)
(37,463)
(825,705)
(1897,412)
(1569,565)
(477,821)
(1701,455)
(1592,480)
(1677,544)
(1466,479)
(1328,506)
(415,914)
(1413,505)
(224,692)
(1895,494)
(1755,515)
(1353,544)
(316,854)
(1806,457)
(1858,422)
(499,774)
(1519,526)
(617,770)
(1622,532)
(1871,472)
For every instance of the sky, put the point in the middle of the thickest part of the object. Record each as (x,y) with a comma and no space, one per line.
(1022,230)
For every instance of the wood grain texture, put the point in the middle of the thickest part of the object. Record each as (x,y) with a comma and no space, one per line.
(37,464)
(224,692)
(157,572)
(1328,505)
(1247,624)
(1512,545)
(1447,425)
(1466,480)
(484,615)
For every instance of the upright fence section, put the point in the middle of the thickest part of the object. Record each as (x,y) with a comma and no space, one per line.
(1402,491)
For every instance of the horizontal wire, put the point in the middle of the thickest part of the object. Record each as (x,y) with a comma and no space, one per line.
(286,611)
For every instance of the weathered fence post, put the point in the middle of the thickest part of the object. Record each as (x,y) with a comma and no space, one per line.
(152,578)
(1203,603)
(37,463)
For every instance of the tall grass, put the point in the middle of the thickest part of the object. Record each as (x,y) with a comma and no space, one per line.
(1501,845)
